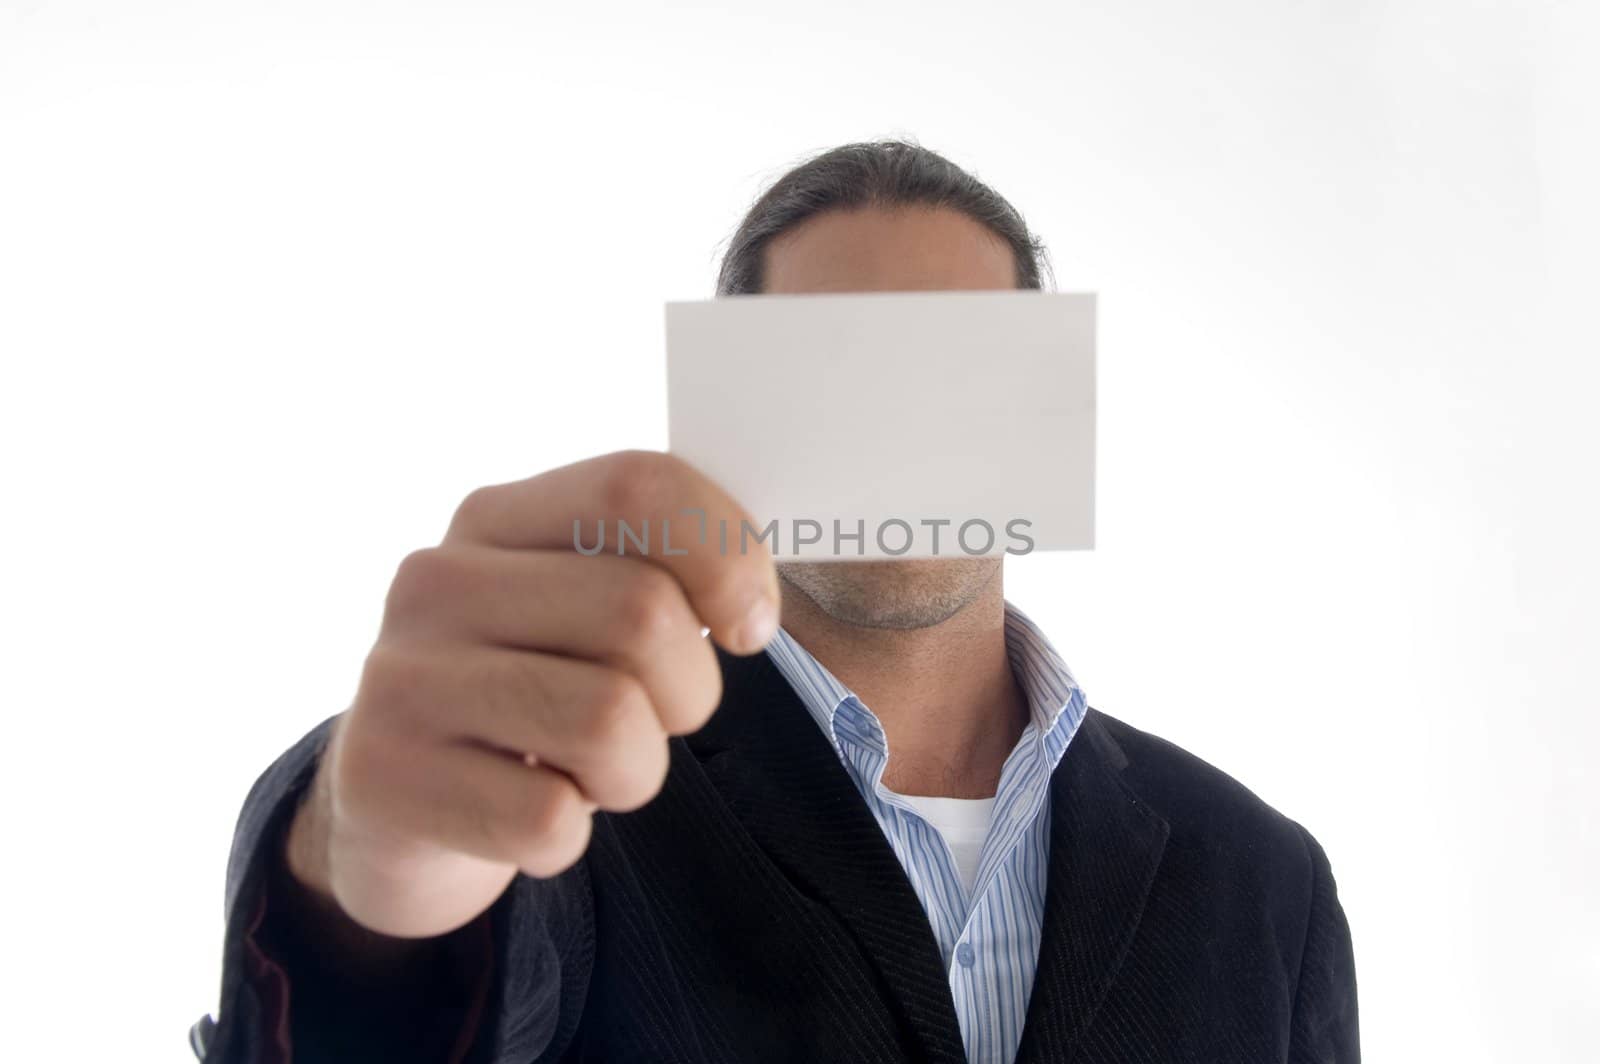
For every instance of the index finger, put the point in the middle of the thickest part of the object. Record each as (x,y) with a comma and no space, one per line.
(649,505)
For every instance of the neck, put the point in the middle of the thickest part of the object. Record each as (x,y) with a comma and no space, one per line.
(951,708)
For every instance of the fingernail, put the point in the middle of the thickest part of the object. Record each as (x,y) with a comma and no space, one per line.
(758,626)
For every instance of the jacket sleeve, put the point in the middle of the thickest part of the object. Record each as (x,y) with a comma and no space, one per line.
(508,987)
(1324,1028)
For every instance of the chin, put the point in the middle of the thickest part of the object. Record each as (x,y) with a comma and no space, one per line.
(914,593)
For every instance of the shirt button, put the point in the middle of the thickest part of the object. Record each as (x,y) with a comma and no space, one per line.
(964,954)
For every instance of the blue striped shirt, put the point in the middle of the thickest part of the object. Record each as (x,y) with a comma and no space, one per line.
(989,941)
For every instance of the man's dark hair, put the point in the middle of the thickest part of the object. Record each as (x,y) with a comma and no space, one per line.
(880,173)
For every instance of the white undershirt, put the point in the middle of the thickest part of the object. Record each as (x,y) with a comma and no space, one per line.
(964,823)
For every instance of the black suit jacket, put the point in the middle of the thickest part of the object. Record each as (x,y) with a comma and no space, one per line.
(754,912)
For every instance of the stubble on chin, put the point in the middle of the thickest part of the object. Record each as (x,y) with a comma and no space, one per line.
(909,594)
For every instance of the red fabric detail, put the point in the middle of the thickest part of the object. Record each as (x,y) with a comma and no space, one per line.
(272,982)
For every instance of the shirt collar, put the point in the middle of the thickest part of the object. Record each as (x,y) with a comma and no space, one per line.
(1056,703)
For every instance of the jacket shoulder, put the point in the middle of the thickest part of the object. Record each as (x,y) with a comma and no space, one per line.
(1206,808)
(1255,884)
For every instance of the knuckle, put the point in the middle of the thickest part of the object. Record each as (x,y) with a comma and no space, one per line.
(549,809)
(423,576)
(502,832)
(609,718)
(701,693)
(391,679)
(636,779)
(710,697)
(651,608)
(507,825)
(651,781)
(735,583)
(713,682)
(633,481)
(559,828)
(472,511)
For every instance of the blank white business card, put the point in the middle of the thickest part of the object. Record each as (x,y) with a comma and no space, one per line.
(892,424)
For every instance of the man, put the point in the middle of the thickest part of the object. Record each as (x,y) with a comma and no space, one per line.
(557,823)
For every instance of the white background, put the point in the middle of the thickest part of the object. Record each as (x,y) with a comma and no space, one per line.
(281,282)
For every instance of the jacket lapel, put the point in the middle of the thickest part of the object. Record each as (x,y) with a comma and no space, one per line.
(786,784)
(1105,846)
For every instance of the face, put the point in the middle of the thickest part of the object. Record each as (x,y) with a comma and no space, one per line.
(903,249)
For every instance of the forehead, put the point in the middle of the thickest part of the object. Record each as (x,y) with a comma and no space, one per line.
(874,249)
